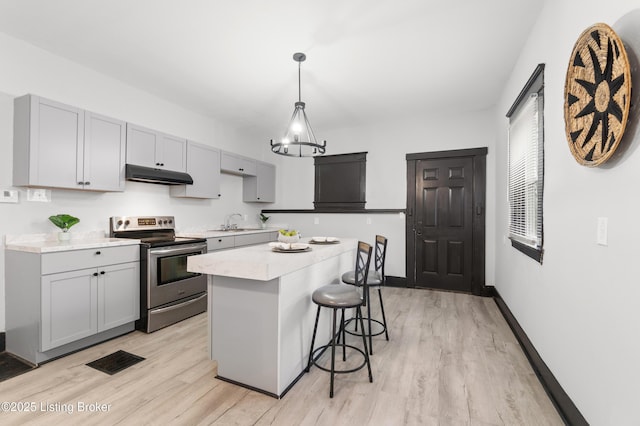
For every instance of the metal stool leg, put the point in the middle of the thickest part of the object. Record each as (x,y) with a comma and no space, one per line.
(341,332)
(313,339)
(368,299)
(333,352)
(364,342)
(384,318)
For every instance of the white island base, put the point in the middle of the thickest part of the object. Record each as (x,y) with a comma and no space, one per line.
(260,311)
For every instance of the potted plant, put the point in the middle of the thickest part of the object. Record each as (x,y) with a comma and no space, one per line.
(263,220)
(64,222)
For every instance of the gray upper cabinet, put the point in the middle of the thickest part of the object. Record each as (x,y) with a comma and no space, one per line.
(237,164)
(260,188)
(203,164)
(61,146)
(104,153)
(150,148)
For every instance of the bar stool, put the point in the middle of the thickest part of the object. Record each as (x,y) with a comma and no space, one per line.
(375,278)
(341,296)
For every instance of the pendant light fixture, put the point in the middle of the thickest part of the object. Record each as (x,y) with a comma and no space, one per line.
(298,139)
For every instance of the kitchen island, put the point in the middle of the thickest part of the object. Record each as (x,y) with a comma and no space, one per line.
(260,311)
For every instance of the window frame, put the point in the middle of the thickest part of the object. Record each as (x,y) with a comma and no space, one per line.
(535,85)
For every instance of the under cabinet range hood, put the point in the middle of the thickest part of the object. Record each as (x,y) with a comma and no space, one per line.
(151,175)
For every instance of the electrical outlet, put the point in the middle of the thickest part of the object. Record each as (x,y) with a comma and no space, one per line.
(369,221)
(316,221)
(8,196)
(41,195)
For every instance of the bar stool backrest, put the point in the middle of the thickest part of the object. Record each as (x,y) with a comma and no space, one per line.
(363,260)
(381,254)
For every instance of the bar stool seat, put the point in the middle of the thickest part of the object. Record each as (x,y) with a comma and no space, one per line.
(337,296)
(342,296)
(373,280)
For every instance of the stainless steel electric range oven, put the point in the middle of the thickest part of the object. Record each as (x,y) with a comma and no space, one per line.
(168,292)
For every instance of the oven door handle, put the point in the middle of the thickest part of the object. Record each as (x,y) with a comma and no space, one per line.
(175,250)
(180,305)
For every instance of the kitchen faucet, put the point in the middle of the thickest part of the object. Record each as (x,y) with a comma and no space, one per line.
(227,221)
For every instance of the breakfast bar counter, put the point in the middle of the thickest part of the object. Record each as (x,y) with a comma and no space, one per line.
(260,311)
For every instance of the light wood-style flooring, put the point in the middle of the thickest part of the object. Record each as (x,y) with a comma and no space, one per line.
(451,360)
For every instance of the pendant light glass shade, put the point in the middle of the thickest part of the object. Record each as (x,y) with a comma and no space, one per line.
(298,139)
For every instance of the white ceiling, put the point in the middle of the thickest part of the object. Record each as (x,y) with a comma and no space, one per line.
(232,59)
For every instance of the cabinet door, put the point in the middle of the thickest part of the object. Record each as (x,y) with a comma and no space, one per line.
(50,138)
(118,295)
(141,146)
(68,307)
(203,164)
(104,153)
(266,182)
(262,187)
(171,153)
(236,164)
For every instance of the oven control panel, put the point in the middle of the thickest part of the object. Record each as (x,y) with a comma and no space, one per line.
(140,223)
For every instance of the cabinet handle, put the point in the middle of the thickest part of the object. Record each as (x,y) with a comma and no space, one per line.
(80,183)
(258,198)
(98,253)
(102,272)
(157,164)
(162,164)
(95,274)
(242,170)
(87,183)
(220,240)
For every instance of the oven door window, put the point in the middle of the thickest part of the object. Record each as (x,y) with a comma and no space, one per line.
(174,268)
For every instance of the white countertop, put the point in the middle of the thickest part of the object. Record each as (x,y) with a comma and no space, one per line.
(216,233)
(259,262)
(48,243)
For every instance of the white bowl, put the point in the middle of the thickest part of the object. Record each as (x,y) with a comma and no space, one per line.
(288,239)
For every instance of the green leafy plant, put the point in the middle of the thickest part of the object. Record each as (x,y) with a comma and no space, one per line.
(64,221)
(264,218)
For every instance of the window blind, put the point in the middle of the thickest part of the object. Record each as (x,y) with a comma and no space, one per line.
(525,173)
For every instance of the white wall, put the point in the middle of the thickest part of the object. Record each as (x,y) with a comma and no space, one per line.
(27,69)
(581,307)
(387,144)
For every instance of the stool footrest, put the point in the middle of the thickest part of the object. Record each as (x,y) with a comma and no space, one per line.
(366,320)
(328,346)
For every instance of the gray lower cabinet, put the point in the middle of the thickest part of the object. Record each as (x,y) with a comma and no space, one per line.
(61,146)
(219,243)
(63,301)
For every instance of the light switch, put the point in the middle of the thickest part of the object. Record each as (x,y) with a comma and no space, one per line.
(603,224)
(316,221)
(369,221)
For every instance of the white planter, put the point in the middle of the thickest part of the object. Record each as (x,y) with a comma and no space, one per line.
(64,236)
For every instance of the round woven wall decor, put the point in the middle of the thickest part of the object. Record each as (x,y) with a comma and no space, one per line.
(597,95)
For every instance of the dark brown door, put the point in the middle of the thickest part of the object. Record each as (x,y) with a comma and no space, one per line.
(441,249)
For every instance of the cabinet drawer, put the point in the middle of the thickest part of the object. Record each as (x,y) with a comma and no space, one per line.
(219,243)
(245,240)
(88,258)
